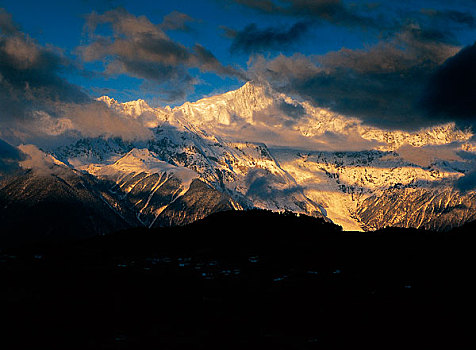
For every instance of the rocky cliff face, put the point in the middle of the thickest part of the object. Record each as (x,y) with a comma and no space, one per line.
(432,209)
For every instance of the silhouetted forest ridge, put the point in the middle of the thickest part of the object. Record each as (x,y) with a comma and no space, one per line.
(242,280)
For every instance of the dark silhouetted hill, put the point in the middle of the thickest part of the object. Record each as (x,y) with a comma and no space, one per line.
(242,280)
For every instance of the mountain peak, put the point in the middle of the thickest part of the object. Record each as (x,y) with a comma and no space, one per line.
(229,107)
(132,108)
(253,90)
(109,101)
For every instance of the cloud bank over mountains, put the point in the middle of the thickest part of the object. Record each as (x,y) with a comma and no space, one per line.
(414,73)
(382,85)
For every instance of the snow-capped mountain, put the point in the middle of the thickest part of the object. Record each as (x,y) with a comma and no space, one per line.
(345,170)
(256,148)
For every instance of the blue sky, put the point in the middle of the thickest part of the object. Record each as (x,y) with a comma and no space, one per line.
(219,44)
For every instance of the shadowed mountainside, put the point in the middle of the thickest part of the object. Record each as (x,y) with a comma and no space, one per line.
(241,280)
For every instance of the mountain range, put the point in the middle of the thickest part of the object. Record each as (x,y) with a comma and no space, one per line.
(248,148)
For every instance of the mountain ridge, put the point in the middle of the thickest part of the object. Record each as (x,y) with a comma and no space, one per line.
(219,143)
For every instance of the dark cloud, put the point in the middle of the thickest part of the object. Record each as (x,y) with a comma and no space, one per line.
(412,47)
(207,62)
(368,14)
(467,182)
(391,84)
(30,77)
(279,115)
(229,33)
(295,111)
(35,100)
(10,157)
(263,185)
(332,11)
(253,39)
(141,49)
(261,5)
(451,16)
(176,21)
(381,84)
(30,74)
(451,90)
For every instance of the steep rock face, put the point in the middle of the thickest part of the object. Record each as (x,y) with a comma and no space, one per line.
(373,189)
(148,184)
(432,209)
(149,194)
